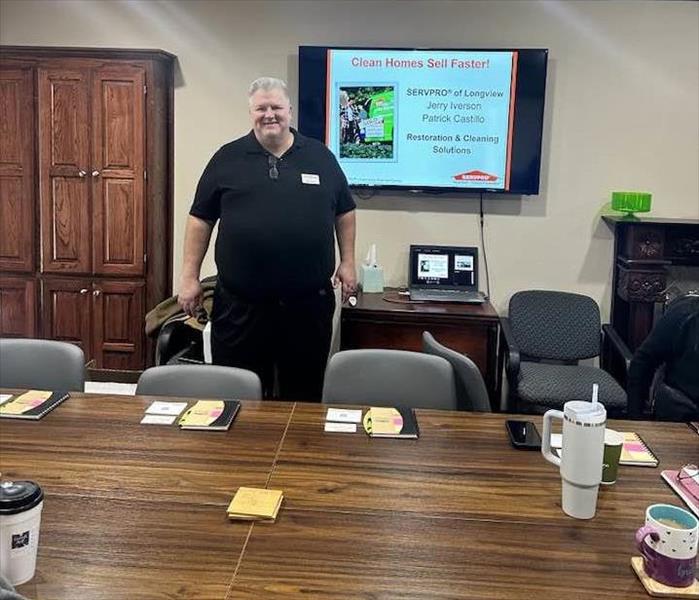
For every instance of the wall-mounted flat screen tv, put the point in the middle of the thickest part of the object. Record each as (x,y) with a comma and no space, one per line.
(431,120)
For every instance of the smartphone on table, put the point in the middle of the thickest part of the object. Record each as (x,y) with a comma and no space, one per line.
(523,435)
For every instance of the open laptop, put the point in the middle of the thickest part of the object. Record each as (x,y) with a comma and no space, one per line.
(444,274)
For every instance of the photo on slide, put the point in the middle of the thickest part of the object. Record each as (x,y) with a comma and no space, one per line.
(367,115)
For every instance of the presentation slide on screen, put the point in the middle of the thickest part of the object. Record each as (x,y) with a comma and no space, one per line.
(433,266)
(422,118)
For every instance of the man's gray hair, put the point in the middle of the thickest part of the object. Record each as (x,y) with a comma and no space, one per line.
(266,84)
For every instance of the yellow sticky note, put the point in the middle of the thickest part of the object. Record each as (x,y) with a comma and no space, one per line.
(255,503)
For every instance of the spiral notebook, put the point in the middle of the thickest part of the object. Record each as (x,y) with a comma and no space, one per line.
(212,415)
(391,422)
(32,404)
(636,452)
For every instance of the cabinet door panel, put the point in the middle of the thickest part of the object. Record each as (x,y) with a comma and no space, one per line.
(118,324)
(63,170)
(67,311)
(118,170)
(17,307)
(65,226)
(16,170)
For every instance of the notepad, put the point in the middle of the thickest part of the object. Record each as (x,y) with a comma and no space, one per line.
(255,504)
(391,422)
(636,452)
(32,404)
(212,415)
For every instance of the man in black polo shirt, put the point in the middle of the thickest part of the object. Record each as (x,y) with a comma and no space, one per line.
(279,197)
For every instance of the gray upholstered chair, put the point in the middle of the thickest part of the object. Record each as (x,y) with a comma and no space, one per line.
(200,381)
(545,336)
(390,378)
(471,393)
(41,364)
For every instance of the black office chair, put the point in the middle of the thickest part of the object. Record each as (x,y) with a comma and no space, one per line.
(471,392)
(179,343)
(389,378)
(544,337)
(179,338)
(200,381)
(41,364)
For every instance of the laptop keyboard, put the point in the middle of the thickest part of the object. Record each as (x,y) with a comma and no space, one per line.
(447,296)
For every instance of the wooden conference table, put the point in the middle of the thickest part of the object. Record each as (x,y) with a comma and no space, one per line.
(138,512)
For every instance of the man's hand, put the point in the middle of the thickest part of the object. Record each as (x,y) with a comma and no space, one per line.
(346,275)
(190,295)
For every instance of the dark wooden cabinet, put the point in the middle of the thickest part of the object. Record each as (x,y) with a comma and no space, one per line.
(98,317)
(88,192)
(17,201)
(63,157)
(66,311)
(118,337)
(117,171)
(17,307)
(387,320)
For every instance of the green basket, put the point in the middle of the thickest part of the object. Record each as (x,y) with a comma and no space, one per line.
(631,202)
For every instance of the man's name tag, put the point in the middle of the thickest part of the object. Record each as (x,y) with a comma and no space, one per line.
(310,179)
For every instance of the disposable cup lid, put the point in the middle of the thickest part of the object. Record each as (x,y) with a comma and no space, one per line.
(585,412)
(613,438)
(18,496)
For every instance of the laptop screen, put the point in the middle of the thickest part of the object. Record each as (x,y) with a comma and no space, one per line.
(447,267)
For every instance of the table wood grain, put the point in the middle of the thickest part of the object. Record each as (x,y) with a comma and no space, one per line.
(457,513)
(461,466)
(351,556)
(96,444)
(96,548)
(136,511)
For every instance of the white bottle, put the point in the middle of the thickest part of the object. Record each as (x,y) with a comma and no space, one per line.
(581,454)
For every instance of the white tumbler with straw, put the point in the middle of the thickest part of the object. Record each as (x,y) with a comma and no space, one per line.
(582,454)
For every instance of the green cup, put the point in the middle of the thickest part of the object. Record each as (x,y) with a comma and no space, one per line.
(613,442)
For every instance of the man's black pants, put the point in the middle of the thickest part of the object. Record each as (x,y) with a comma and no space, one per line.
(290,336)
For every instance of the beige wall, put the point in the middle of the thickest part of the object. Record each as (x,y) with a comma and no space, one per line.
(621,110)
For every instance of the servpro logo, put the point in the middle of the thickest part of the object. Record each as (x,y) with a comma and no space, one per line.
(474,176)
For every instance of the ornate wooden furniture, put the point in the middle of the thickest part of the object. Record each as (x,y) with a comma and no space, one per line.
(85,196)
(644,249)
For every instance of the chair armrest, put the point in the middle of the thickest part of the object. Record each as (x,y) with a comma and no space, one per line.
(174,335)
(609,334)
(511,352)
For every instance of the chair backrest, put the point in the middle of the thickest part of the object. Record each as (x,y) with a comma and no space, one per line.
(200,381)
(389,378)
(471,392)
(41,364)
(555,325)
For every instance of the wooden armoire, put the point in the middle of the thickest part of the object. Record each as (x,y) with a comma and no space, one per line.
(86,155)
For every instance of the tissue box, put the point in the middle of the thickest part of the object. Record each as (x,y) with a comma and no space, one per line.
(371,279)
